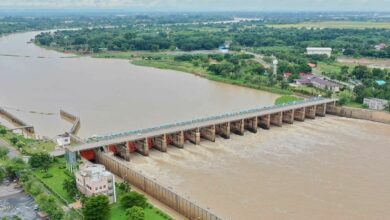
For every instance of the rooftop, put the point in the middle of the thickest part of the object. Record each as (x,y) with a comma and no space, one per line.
(319,48)
(94,171)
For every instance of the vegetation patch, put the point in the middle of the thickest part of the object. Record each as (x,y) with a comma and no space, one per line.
(286,99)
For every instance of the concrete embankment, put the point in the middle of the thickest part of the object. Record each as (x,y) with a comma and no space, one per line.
(73,119)
(16,121)
(364,114)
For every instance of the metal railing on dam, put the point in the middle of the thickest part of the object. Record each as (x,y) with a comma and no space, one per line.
(122,137)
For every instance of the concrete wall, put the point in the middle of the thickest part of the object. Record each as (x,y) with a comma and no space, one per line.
(161,193)
(365,114)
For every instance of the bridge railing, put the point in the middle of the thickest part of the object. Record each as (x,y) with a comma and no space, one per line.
(194,121)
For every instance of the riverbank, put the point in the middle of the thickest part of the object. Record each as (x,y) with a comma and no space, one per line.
(164,60)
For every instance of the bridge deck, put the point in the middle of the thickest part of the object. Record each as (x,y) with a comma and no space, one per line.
(198,123)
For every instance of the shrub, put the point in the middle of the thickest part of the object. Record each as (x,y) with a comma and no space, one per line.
(13,140)
(3,131)
(135,213)
(20,144)
(131,199)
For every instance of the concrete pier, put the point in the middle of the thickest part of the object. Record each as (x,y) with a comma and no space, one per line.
(310,112)
(288,116)
(142,147)
(160,143)
(321,110)
(299,114)
(331,108)
(277,119)
(193,136)
(264,121)
(238,127)
(177,139)
(123,151)
(223,130)
(251,124)
(208,133)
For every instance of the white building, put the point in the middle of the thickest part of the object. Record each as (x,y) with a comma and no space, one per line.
(376,104)
(94,179)
(319,51)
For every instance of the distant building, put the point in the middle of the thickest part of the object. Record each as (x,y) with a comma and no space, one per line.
(380,82)
(318,82)
(319,51)
(376,104)
(223,49)
(275,66)
(287,75)
(312,65)
(94,179)
(324,84)
(380,47)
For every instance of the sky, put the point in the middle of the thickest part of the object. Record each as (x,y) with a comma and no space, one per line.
(207,5)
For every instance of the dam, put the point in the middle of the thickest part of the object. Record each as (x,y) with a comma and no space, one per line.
(143,140)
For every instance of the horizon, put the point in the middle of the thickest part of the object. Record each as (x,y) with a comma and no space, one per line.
(200,5)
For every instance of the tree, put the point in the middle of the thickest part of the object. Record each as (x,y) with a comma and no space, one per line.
(20,144)
(48,204)
(2,174)
(69,185)
(361,72)
(124,186)
(13,140)
(14,167)
(3,152)
(131,199)
(96,208)
(41,160)
(135,213)
(3,131)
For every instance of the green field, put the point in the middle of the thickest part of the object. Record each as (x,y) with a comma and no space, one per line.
(335,24)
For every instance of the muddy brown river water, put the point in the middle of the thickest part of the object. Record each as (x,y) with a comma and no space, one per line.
(328,168)
(108,95)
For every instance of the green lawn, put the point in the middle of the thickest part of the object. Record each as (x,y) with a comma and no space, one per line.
(286,99)
(117,212)
(55,182)
(335,24)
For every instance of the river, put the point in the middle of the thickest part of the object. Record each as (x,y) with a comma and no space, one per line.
(108,95)
(328,168)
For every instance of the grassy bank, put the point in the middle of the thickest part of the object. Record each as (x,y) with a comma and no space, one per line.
(27,145)
(199,71)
